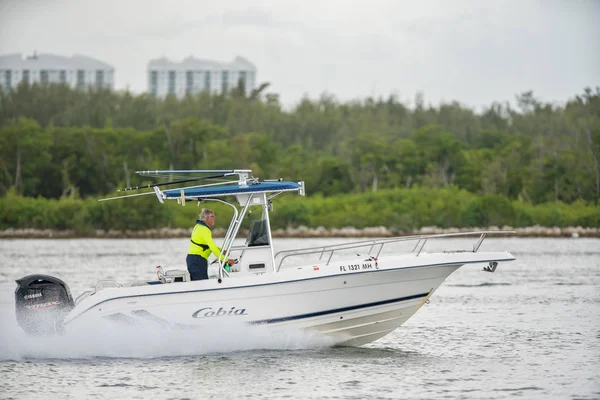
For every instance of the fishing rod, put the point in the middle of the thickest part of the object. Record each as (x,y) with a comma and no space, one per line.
(192,171)
(122,197)
(171,182)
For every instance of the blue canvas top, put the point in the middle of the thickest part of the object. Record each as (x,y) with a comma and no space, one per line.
(214,191)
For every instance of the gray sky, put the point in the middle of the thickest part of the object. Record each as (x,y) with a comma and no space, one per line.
(475,52)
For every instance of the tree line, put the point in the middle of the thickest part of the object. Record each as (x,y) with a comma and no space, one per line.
(400,210)
(57,142)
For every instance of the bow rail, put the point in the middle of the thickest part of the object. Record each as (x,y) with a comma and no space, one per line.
(421,240)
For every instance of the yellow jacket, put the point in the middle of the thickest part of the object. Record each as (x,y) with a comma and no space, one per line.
(201,242)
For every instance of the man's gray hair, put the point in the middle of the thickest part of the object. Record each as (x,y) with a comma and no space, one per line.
(205,214)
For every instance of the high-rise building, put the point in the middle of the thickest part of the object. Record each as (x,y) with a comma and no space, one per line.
(79,71)
(193,75)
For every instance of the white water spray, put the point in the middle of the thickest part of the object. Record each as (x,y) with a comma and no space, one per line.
(107,338)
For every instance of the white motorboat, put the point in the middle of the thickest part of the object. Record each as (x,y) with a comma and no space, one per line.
(353,298)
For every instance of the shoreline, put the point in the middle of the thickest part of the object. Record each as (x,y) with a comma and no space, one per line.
(299,232)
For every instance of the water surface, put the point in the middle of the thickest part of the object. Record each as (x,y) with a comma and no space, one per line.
(531,330)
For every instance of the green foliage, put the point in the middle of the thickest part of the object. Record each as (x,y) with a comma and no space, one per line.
(560,214)
(403,167)
(491,210)
(401,210)
(333,177)
(292,213)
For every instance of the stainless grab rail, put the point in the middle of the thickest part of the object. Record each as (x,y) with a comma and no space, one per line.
(421,241)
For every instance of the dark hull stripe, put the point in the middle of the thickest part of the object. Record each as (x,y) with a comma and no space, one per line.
(338,310)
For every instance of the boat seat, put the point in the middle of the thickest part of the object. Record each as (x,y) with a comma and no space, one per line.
(176,275)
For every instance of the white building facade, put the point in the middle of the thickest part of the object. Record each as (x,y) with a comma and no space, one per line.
(193,75)
(79,72)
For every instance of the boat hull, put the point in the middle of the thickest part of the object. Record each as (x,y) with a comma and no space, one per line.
(353,302)
(352,309)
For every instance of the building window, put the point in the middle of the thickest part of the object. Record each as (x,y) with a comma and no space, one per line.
(171,82)
(63,76)
(80,79)
(189,81)
(99,78)
(207,81)
(8,79)
(224,81)
(153,82)
(44,77)
(242,80)
(26,75)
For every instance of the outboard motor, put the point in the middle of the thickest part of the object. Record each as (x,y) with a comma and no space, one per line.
(42,302)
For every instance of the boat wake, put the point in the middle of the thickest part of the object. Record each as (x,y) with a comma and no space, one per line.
(147,340)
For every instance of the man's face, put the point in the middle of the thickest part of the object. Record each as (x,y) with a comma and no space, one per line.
(210,220)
